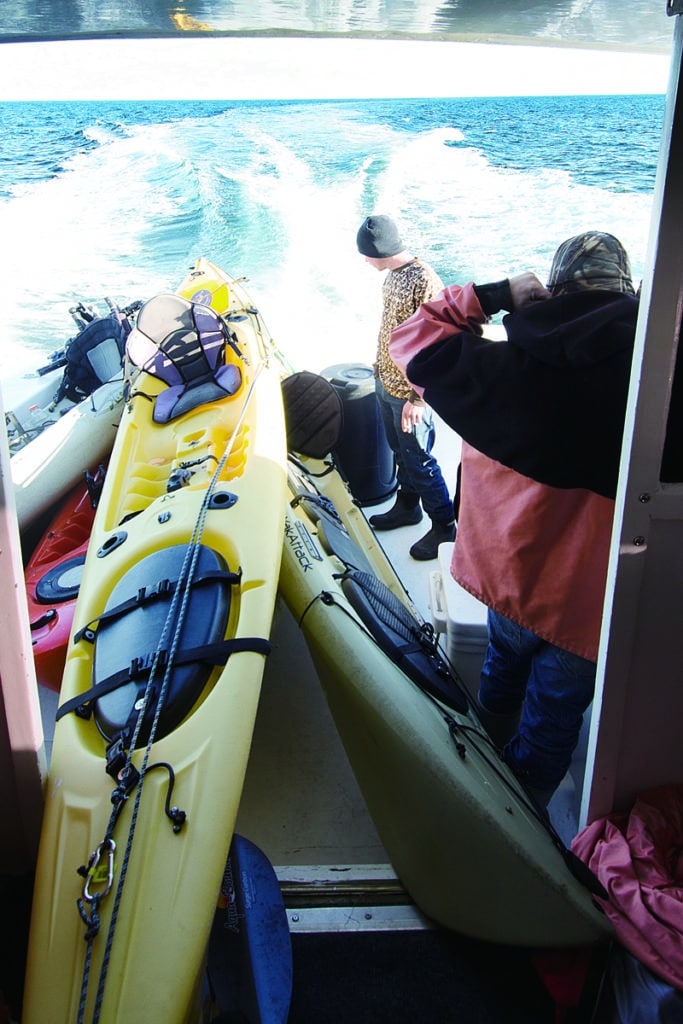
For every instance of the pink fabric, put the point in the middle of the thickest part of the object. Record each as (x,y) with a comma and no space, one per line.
(536,554)
(638,857)
(454,308)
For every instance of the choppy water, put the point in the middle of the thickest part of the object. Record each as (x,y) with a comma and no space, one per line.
(120,198)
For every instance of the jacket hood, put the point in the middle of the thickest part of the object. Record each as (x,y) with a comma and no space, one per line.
(548,403)
(575,331)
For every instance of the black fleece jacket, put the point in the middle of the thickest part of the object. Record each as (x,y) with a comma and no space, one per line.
(548,403)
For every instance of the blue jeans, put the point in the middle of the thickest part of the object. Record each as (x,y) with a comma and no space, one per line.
(417,470)
(552,687)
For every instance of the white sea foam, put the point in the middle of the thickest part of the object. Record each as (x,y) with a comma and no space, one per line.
(277,196)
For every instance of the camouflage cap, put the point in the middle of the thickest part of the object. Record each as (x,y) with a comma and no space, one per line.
(591,260)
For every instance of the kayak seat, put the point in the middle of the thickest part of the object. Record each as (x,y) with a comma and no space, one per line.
(314,415)
(130,642)
(93,357)
(183,344)
(402,638)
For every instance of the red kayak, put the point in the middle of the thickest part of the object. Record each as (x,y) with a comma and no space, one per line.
(53,576)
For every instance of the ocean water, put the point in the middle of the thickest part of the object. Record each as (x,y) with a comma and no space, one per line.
(120,199)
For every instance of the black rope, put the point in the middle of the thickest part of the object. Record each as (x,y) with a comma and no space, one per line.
(141,394)
(329,468)
(318,501)
(92,923)
(174,814)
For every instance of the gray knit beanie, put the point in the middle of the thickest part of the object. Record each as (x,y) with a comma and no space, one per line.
(378,238)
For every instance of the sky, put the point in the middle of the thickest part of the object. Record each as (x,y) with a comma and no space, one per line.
(300,68)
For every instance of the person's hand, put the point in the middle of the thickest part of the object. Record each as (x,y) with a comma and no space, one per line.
(411,416)
(527,289)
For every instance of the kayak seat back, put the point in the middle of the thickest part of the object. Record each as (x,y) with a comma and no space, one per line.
(154,640)
(314,414)
(94,356)
(403,639)
(183,344)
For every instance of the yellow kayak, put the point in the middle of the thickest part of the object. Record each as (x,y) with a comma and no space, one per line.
(164,668)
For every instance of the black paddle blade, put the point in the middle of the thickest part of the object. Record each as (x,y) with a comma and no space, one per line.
(313,414)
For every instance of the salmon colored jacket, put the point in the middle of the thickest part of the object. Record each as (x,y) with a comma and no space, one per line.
(534,552)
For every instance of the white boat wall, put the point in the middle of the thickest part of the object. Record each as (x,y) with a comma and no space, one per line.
(22,750)
(635,735)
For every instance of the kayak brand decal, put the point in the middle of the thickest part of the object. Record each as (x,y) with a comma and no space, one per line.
(302,544)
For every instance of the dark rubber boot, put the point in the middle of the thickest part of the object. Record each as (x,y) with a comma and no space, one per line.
(405,511)
(427,547)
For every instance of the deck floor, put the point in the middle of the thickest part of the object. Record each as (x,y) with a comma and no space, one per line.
(414,978)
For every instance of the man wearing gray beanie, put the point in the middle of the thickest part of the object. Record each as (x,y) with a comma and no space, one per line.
(408,422)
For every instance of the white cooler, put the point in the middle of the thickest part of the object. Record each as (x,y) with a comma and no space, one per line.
(462,618)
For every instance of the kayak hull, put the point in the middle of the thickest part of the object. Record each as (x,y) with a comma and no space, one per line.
(467,843)
(173,830)
(53,576)
(52,464)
